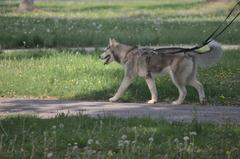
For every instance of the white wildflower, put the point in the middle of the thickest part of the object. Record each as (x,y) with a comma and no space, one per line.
(75,147)
(50,155)
(126,142)
(134,142)
(151,139)
(124,137)
(90,141)
(45,133)
(186,138)
(97,142)
(61,125)
(110,153)
(120,143)
(176,140)
(193,133)
(54,127)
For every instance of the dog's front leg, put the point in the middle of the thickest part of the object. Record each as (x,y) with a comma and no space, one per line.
(124,85)
(152,87)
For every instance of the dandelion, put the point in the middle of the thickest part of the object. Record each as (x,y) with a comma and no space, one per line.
(50,155)
(61,125)
(90,141)
(45,133)
(120,143)
(193,133)
(176,140)
(186,138)
(75,147)
(151,139)
(110,153)
(124,137)
(126,142)
(97,142)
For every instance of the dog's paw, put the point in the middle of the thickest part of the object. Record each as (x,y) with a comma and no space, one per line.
(152,101)
(176,103)
(113,99)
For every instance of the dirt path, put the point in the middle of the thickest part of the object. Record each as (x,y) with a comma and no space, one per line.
(51,107)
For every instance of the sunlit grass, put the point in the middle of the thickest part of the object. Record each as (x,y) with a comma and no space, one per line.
(83,76)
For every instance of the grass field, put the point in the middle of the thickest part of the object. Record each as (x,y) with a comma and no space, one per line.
(111,138)
(77,75)
(74,75)
(91,23)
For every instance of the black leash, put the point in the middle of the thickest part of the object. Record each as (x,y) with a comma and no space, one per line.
(215,34)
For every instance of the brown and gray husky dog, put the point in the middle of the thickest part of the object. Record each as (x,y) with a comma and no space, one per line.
(147,63)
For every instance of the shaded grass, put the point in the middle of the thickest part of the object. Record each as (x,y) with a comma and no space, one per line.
(83,23)
(75,75)
(84,137)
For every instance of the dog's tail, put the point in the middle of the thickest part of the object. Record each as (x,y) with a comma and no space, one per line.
(209,57)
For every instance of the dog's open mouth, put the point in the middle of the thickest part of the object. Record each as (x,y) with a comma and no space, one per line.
(106,59)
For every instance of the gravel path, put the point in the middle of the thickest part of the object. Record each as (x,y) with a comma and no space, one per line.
(47,108)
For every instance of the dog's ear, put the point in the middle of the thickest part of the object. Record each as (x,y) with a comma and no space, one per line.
(112,42)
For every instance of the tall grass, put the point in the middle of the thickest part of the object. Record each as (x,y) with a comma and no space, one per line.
(88,138)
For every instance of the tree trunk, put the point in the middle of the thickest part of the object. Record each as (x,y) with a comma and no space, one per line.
(26,5)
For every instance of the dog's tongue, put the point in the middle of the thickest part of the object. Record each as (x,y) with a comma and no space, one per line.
(108,58)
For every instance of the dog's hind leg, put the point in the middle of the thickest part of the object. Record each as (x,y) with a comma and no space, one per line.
(152,87)
(182,94)
(181,89)
(124,85)
(199,87)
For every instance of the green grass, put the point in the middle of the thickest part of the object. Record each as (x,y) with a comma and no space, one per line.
(74,75)
(91,23)
(111,138)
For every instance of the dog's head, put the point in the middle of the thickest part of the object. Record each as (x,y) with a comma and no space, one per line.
(110,53)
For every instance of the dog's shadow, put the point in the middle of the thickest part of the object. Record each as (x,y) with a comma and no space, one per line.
(138,92)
